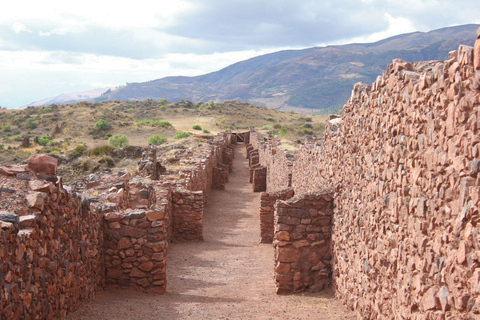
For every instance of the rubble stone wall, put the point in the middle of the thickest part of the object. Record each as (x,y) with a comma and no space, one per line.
(57,247)
(403,163)
(267,209)
(302,242)
(51,257)
(187,222)
(136,249)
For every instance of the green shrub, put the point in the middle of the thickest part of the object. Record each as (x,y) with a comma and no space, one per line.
(162,107)
(44,141)
(277,126)
(101,150)
(102,125)
(130,110)
(308,125)
(7,128)
(17,138)
(267,127)
(156,139)
(307,131)
(181,134)
(154,123)
(118,141)
(196,127)
(47,110)
(270,118)
(206,131)
(30,124)
(78,151)
(282,132)
(2,146)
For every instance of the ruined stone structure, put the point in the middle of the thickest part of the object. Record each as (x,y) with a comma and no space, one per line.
(403,165)
(59,245)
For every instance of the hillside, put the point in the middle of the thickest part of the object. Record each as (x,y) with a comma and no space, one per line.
(68,132)
(318,79)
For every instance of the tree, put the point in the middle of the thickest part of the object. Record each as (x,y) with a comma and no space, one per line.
(118,141)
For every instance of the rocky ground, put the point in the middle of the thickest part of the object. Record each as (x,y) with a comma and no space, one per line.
(228,276)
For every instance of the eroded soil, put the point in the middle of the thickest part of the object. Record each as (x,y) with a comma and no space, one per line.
(228,276)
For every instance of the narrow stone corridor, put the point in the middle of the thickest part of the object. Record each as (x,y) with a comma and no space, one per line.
(228,276)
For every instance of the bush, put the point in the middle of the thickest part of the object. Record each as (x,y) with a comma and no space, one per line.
(2,146)
(206,131)
(267,127)
(30,124)
(162,107)
(154,123)
(156,139)
(118,141)
(17,138)
(307,131)
(102,125)
(196,127)
(270,119)
(47,110)
(78,151)
(181,134)
(282,132)
(277,126)
(44,141)
(7,128)
(100,150)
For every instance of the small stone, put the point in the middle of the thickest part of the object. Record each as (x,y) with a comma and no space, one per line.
(36,200)
(124,243)
(155,215)
(146,266)
(113,216)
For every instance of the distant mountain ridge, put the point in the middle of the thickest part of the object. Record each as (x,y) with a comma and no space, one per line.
(315,79)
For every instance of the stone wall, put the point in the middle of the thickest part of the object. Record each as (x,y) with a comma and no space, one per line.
(51,244)
(302,242)
(267,209)
(58,248)
(136,249)
(187,220)
(403,162)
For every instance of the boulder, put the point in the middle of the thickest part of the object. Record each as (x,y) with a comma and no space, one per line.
(43,164)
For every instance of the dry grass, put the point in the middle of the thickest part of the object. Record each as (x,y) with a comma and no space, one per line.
(76,123)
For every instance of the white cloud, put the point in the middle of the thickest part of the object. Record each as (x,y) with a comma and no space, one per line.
(18,27)
(396,25)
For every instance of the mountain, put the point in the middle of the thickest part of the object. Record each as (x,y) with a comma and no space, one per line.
(316,79)
(86,95)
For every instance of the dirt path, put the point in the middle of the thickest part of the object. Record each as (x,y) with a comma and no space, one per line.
(229,276)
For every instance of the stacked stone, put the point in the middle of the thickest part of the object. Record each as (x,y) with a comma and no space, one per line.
(404,163)
(220,176)
(302,243)
(148,166)
(267,209)
(136,249)
(259,179)
(227,157)
(187,220)
(141,195)
(51,255)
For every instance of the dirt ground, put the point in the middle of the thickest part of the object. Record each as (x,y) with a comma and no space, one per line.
(228,276)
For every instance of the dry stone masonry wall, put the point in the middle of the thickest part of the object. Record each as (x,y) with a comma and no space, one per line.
(59,245)
(403,164)
(302,242)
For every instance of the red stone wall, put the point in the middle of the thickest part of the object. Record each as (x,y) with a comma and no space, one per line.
(267,210)
(259,179)
(302,243)
(136,249)
(187,220)
(403,162)
(51,255)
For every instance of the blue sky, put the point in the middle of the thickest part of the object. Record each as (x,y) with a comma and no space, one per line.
(52,47)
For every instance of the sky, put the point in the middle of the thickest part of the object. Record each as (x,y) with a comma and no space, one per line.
(51,47)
